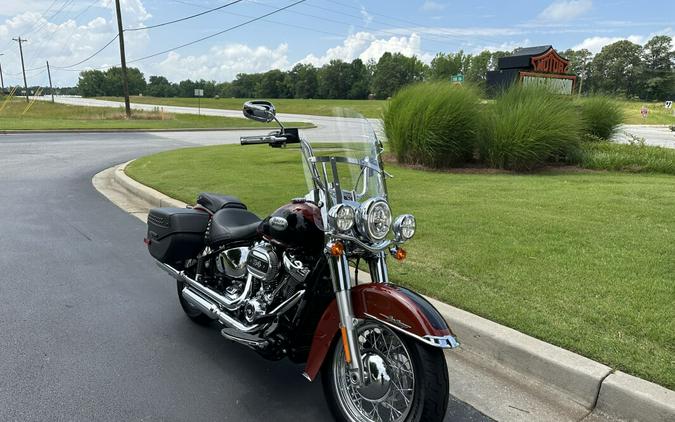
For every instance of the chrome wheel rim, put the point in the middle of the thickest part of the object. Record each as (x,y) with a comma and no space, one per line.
(389,378)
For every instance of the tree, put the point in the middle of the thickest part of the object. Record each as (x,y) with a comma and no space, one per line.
(617,69)
(658,59)
(272,84)
(393,71)
(580,64)
(303,81)
(334,79)
(359,80)
(478,67)
(159,86)
(113,81)
(91,83)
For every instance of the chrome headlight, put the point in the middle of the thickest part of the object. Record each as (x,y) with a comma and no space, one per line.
(342,217)
(375,219)
(404,227)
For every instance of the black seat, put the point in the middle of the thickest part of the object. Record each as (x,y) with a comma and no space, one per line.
(232,224)
(214,202)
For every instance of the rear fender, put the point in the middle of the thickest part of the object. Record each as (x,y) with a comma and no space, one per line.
(397,307)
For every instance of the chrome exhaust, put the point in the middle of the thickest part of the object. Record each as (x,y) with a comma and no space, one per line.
(211,309)
(229,303)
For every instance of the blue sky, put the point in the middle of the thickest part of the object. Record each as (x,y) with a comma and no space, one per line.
(66,32)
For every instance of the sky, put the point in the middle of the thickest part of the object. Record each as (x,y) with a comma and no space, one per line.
(68,32)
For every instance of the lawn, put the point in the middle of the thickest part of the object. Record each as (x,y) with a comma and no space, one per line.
(658,114)
(369,108)
(581,259)
(48,116)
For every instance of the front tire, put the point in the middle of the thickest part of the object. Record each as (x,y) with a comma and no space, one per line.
(405,380)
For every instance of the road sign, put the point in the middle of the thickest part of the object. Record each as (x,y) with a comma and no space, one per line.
(199,92)
(457,78)
(669,105)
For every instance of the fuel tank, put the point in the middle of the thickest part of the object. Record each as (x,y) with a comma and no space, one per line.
(296,226)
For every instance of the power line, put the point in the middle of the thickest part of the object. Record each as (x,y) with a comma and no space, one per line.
(182,19)
(217,33)
(90,57)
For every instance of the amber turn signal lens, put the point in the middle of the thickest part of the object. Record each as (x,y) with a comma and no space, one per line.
(400,254)
(337,248)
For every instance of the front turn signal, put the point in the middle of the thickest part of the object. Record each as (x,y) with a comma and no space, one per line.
(399,253)
(336,248)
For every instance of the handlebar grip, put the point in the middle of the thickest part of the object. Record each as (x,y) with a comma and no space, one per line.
(255,140)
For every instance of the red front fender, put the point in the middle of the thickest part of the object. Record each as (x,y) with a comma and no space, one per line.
(395,306)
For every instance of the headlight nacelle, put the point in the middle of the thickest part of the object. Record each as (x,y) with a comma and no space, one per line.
(374,219)
(404,227)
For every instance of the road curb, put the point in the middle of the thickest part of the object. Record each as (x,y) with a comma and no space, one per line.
(595,386)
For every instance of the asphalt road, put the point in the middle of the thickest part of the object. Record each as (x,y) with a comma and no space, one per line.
(90,328)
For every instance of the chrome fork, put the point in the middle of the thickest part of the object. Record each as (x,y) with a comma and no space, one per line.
(339,270)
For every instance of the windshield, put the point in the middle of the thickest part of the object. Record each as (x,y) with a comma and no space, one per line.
(345,163)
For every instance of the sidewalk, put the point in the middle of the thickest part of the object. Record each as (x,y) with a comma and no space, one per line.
(503,373)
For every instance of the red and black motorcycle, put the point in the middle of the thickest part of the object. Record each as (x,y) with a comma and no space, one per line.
(284,286)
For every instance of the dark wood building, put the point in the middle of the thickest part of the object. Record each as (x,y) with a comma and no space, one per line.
(540,65)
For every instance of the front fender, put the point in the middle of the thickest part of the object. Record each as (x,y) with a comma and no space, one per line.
(395,306)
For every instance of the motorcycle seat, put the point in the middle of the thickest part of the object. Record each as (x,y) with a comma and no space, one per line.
(233,224)
(214,202)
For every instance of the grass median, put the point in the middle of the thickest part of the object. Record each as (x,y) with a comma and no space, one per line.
(581,259)
(44,115)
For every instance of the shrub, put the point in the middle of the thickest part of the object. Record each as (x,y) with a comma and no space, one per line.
(434,124)
(600,116)
(528,127)
(636,158)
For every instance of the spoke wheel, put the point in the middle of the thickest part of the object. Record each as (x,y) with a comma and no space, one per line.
(403,380)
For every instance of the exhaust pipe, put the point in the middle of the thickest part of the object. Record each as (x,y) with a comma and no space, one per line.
(228,303)
(211,309)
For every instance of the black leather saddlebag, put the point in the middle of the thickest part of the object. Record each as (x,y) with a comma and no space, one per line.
(176,234)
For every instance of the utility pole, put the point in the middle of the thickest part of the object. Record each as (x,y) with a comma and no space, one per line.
(2,81)
(23,67)
(51,88)
(125,77)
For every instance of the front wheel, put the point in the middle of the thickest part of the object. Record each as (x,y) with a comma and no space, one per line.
(404,380)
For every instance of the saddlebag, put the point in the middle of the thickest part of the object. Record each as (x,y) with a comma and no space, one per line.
(176,234)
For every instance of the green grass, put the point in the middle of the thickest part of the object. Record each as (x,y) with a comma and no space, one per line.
(434,124)
(628,158)
(369,108)
(47,116)
(581,260)
(529,127)
(600,116)
(658,114)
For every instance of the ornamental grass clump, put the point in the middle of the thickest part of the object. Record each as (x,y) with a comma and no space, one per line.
(601,116)
(529,127)
(433,124)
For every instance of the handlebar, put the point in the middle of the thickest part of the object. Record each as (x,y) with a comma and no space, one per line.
(275,139)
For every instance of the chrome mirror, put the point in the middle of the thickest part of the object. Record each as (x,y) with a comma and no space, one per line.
(260,111)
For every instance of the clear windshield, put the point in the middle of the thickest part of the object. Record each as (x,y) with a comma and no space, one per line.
(345,162)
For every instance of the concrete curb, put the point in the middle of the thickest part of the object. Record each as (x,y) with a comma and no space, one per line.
(596,387)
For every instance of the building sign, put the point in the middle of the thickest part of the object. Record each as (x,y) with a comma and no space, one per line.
(557,85)
(541,66)
(199,92)
(457,78)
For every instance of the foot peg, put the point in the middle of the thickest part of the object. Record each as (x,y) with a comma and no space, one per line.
(249,340)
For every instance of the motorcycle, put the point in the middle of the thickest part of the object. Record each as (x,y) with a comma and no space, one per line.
(283,286)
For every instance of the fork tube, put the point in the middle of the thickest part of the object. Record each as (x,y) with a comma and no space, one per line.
(339,269)
(378,269)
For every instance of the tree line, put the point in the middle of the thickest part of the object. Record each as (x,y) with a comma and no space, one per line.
(622,68)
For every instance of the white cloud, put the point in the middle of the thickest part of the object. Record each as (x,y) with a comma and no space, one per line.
(563,10)
(366,46)
(595,44)
(68,42)
(222,63)
(367,17)
(432,6)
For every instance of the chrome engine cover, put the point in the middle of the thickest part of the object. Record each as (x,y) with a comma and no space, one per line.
(232,262)
(262,262)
